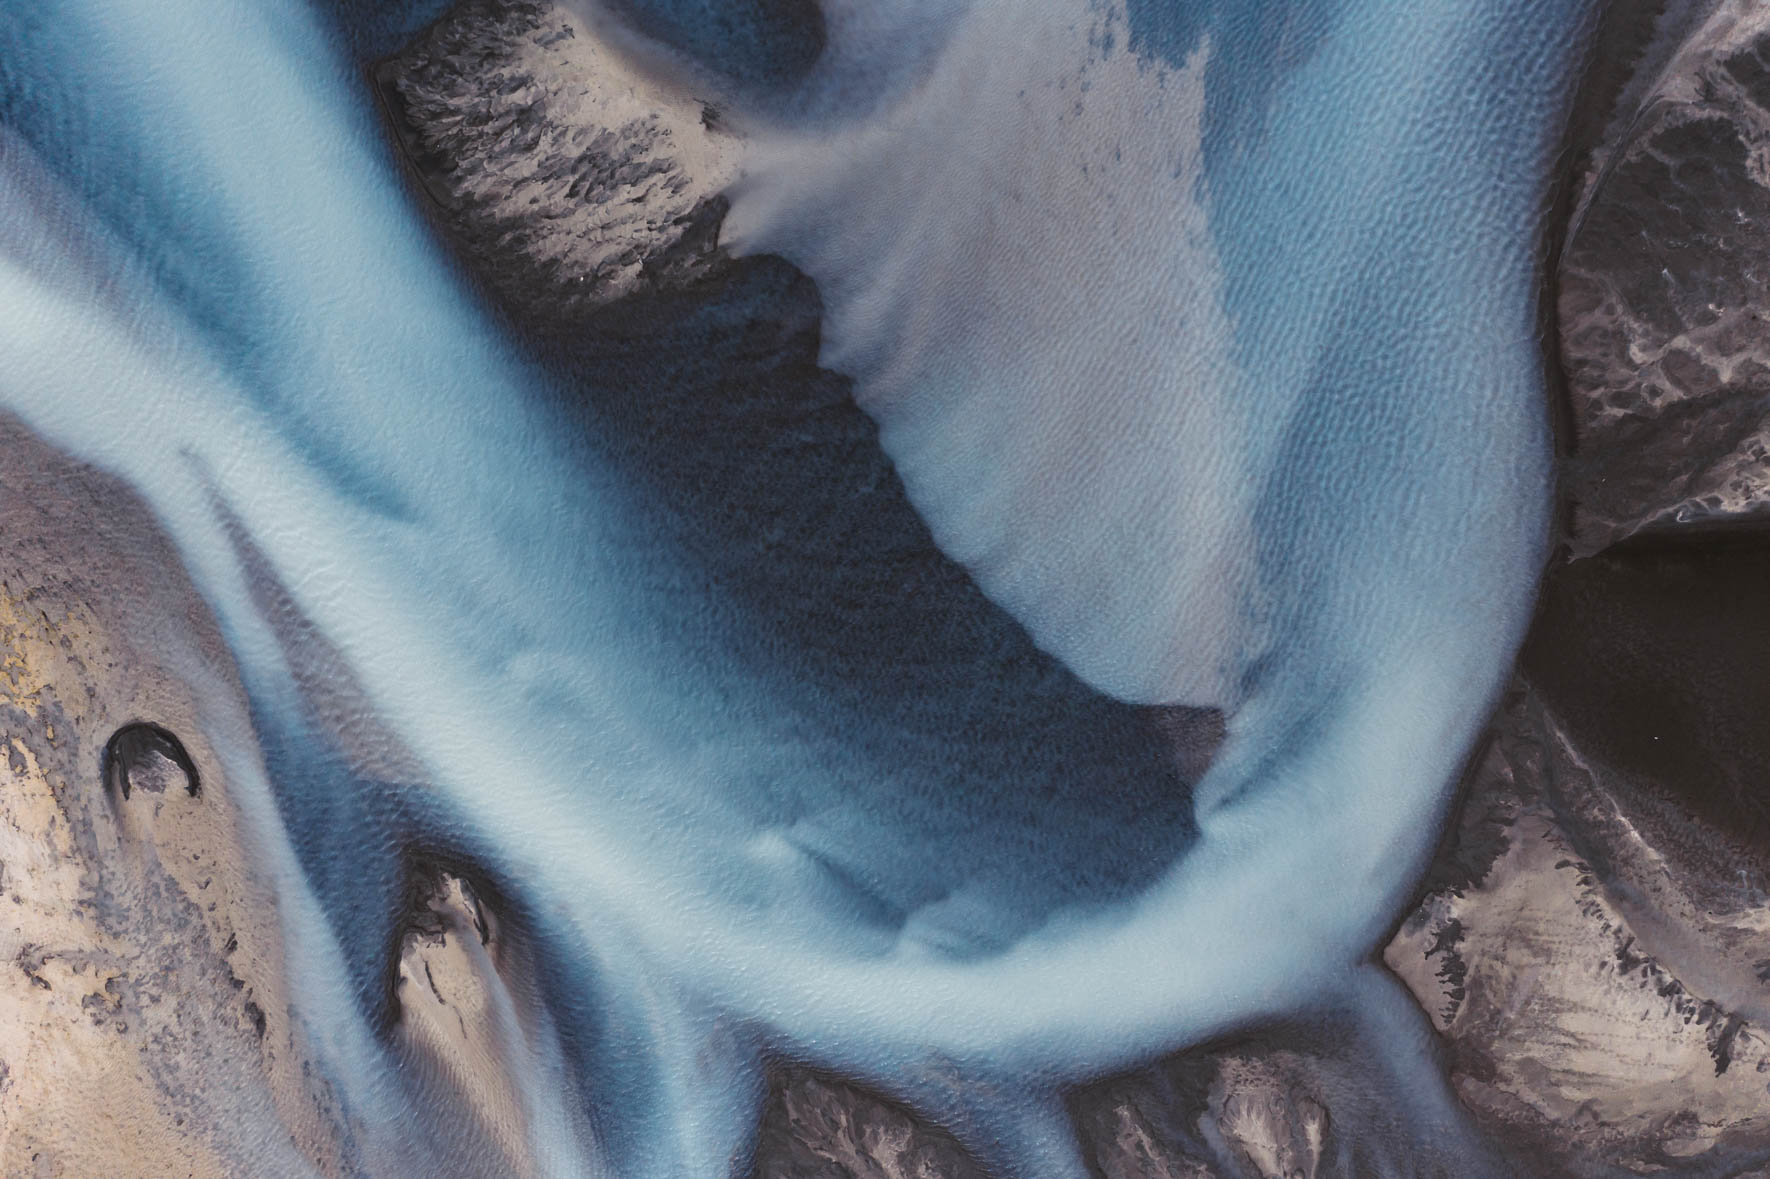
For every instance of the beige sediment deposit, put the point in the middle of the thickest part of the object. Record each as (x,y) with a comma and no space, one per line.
(145,1028)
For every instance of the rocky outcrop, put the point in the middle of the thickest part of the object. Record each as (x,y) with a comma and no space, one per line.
(1586,976)
(564,175)
(1664,300)
(145,1021)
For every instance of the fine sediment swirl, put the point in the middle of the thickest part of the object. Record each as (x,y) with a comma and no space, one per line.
(985,568)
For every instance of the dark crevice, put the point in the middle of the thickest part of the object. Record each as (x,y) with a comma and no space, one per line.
(1655,655)
(139,756)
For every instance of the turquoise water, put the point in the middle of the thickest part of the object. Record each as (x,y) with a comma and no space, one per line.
(1170,361)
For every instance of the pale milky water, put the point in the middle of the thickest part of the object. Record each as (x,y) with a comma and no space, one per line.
(1208,347)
